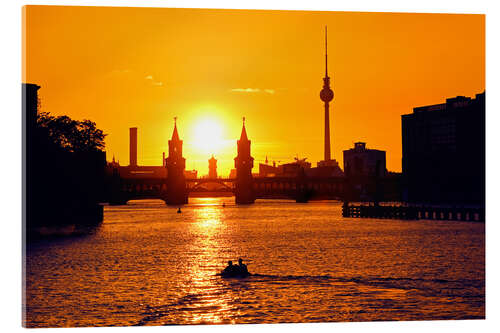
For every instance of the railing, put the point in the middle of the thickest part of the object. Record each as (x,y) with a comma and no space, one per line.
(414,212)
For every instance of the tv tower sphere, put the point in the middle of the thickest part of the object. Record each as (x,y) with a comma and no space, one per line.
(326,94)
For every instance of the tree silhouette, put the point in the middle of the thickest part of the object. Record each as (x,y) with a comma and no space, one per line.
(71,135)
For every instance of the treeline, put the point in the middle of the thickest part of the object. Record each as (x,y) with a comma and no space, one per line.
(71,135)
(66,174)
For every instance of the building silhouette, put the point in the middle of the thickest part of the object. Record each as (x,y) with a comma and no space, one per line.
(266,170)
(243,162)
(365,171)
(30,111)
(212,168)
(292,169)
(142,171)
(361,161)
(444,152)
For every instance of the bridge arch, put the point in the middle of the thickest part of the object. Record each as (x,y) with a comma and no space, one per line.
(226,185)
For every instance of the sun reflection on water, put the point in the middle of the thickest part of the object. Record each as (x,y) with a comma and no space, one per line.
(214,304)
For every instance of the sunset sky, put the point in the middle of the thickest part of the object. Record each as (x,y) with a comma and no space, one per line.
(141,67)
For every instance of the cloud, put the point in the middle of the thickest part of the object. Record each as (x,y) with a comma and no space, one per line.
(247,90)
(253,90)
(153,81)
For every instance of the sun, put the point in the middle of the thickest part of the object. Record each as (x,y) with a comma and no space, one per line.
(208,136)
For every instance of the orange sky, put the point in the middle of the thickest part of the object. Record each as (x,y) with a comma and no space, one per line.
(140,67)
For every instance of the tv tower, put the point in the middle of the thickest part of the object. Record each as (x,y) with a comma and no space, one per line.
(326,96)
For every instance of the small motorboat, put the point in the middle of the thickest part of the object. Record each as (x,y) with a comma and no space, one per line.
(237,275)
(235,271)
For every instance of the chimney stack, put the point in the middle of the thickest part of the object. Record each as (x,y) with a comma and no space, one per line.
(133,146)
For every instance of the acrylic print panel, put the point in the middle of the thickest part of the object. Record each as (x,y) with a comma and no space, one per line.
(328,150)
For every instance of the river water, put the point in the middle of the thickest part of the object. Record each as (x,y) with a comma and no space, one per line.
(148,265)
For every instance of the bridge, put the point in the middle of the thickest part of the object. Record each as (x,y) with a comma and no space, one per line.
(175,188)
(294,188)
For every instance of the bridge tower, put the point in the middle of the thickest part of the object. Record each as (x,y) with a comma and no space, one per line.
(244,192)
(176,193)
(212,168)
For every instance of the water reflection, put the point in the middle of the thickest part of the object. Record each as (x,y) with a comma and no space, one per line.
(204,202)
(213,304)
(149,265)
(207,217)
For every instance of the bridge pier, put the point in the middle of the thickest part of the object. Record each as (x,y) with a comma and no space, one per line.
(303,194)
(118,200)
(301,200)
(243,191)
(176,192)
(116,196)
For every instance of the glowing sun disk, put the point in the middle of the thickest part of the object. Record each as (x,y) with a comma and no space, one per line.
(208,136)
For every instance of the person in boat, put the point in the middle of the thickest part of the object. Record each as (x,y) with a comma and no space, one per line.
(230,269)
(235,270)
(242,268)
